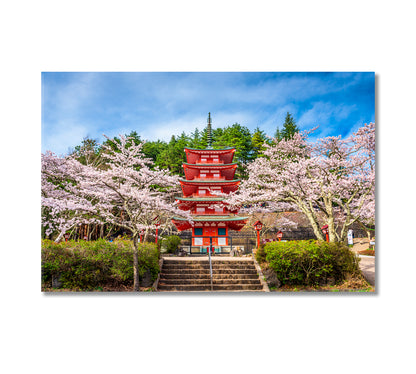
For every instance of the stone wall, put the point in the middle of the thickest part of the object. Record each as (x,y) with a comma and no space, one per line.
(361,244)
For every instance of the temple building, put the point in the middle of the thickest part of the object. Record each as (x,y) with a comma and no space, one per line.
(207,172)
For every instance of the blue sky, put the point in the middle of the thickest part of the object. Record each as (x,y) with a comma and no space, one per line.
(158,105)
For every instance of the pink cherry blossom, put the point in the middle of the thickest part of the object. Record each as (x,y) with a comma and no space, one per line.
(331,180)
(124,190)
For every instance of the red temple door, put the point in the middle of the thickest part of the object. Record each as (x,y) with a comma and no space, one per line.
(210,232)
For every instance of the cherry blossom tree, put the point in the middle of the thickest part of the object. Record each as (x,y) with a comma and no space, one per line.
(366,143)
(124,191)
(63,204)
(332,181)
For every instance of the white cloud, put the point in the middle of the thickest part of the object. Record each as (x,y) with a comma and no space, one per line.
(322,113)
(63,126)
(64,136)
(65,100)
(160,105)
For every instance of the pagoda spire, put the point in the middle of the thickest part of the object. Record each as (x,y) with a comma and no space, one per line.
(209,131)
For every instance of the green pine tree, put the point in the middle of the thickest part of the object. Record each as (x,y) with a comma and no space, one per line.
(289,127)
(278,134)
(173,156)
(257,141)
(196,139)
(237,136)
(152,149)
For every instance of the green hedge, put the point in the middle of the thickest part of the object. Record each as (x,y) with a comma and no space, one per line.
(87,265)
(310,262)
(171,243)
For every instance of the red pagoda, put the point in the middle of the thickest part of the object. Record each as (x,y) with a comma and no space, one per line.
(207,172)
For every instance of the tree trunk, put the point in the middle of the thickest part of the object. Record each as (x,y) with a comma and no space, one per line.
(368,232)
(310,214)
(331,229)
(313,222)
(60,236)
(62,233)
(136,286)
(330,218)
(145,236)
(316,230)
(110,231)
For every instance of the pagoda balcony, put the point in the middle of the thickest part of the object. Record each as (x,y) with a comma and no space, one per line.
(211,212)
(209,162)
(208,179)
(197,195)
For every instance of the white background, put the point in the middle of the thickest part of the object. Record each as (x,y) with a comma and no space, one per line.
(152,333)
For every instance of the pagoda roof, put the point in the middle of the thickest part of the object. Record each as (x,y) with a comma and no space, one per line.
(189,203)
(207,199)
(234,222)
(209,181)
(210,150)
(210,166)
(216,218)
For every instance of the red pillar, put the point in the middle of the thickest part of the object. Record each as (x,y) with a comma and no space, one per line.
(325,231)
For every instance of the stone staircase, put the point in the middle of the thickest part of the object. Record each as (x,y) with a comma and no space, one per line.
(192,274)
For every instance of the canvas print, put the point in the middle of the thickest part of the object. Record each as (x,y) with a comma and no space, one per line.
(208,182)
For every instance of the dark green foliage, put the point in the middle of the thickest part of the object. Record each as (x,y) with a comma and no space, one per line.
(173,156)
(237,136)
(196,140)
(309,262)
(88,265)
(171,243)
(289,127)
(153,149)
(278,134)
(261,254)
(257,142)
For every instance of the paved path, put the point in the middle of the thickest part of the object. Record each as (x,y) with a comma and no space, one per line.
(368,268)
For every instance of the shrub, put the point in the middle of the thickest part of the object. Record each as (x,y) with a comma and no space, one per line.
(87,265)
(310,262)
(171,243)
(148,259)
(261,254)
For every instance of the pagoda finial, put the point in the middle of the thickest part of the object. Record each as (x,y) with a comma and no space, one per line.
(209,131)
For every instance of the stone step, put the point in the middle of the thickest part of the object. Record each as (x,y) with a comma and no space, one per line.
(207,287)
(214,263)
(194,275)
(206,265)
(206,276)
(168,282)
(206,271)
(206,261)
